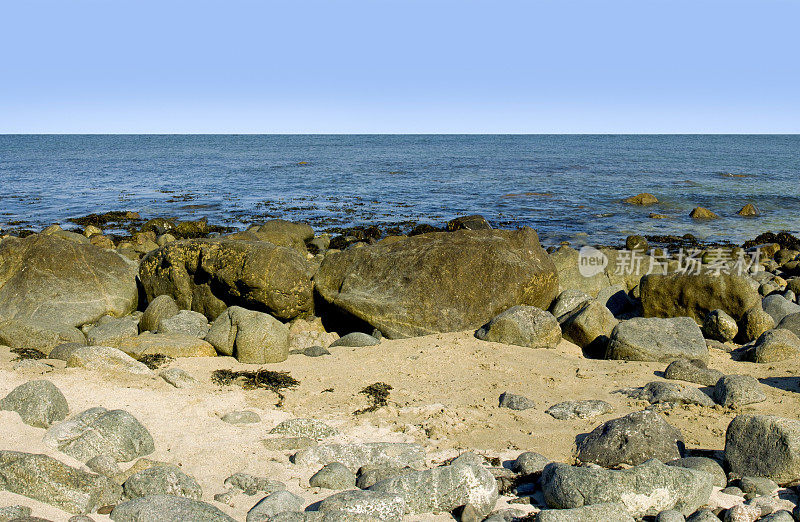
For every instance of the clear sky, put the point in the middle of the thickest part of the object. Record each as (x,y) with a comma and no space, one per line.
(399,66)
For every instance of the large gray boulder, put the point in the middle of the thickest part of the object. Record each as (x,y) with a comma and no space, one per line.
(252,337)
(779,307)
(655,339)
(645,489)
(27,333)
(160,308)
(616,512)
(439,282)
(632,439)
(39,403)
(695,295)
(591,327)
(354,456)
(692,371)
(167,508)
(382,506)
(703,464)
(98,431)
(110,331)
(47,480)
(280,501)
(764,446)
(523,326)
(162,480)
(51,281)
(207,276)
(775,345)
(443,489)
(792,323)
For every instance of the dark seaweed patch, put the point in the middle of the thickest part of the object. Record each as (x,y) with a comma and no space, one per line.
(377,393)
(154,361)
(276,382)
(27,353)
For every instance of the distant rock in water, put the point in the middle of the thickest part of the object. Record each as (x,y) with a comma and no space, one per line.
(702,213)
(749,210)
(439,282)
(641,199)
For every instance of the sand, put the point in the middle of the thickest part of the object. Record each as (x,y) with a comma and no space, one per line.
(445,395)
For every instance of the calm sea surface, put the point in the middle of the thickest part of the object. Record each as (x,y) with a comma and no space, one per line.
(566,187)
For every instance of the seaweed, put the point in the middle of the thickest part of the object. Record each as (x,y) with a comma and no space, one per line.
(378,393)
(27,353)
(100,220)
(276,382)
(154,361)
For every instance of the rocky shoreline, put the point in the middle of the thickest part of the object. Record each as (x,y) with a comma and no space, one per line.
(183,371)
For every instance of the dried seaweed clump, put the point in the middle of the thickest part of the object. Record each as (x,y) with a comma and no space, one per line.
(378,393)
(27,353)
(154,361)
(276,382)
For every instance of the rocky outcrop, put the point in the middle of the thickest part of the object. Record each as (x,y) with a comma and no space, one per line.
(439,282)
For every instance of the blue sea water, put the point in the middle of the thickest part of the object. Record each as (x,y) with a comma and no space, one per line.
(567,187)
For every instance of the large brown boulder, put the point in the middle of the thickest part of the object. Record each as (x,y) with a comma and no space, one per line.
(439,282)
(207,276)
(695,295)
(55,282)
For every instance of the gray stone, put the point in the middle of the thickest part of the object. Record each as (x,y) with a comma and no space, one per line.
(569,302)
(98,431)
(515,402)
(311,428)
(758,485)
(110,331)
(251,485)
(703,515)
(632,439)
(287,443)
(763,446)
(39,403)
(738,390)
(26,333)
(778,516)
(252,337)
(47,480)
(275,503)
(646,489)
(60,283)
(106,359)
(241,417)
(171,345)
(616,512)
(167,508)
(356,455)
(369,475)
(179,378)
(185,322)
(590,328)
(658,391)
(779,307)
(529,463)
(162,480)
(13,512)
(381,505)
(105,465)
(670,515)
(440,281)
(333,476)
(579,409)
(615,298)
(654,339)
(506,515)
(63,351)
(775,345)
(720,326)
(315,351)
(742,513)
(692,371)
(703,464)
(443,489)
(355,340)
(252,274)
(160,308)
(756,321)
(523,326)
(791,323)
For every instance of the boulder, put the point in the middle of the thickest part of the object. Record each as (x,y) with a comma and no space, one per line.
(515,402)
(98,431)
(529,462)
(522,326)
(474,222)
(167,508)
(353,503)
(590,328)
(670,392)
(160,308)
(692,371)
(47,280)
(632,439)
(646,489)
(764,446)
(641,199)
(587,409)
(24,333)
(440,281)
(280,501)
(355,340)
(607,511)
(738,390)
(251,485)
(568,303)
(756,321)
(443,489)
(162,480)
(110,331)
(252,337)
(720,326)
(171,345)
(207,276)
(695,295)
(185,322)
(748,210)
(47,480)
(311,428)
(179,378)
(702,213)
(106,359)
(703,464)
(792,323)
(39,403)
(775,345)
(654,339)
(779,307)
(333,476)
(355,456)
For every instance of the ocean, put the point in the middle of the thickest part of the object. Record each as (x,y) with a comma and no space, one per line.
(567,187)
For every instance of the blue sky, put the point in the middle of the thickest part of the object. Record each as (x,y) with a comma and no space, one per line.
(405,66)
